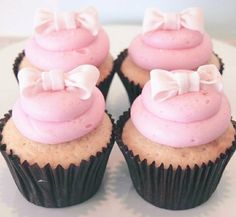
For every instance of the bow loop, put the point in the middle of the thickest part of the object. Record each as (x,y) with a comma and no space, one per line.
(83,77)
(47,21)
(191,18)
(210,75)
(165,89)
(165,84)
(28,77)
(89,20)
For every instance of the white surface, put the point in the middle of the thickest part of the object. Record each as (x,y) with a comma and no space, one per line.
(116,196)
(220,15)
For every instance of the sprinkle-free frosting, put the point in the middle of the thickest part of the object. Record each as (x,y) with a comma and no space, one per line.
(53,115)
(181,39)
(160,46)
(66,48)
(189,119)
(190,18)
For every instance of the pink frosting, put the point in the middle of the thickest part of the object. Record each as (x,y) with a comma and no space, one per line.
(66,49)
(171,49)
(55,41)
(190,119)
(180,39)
(59,117)
(59,106)
(187,109)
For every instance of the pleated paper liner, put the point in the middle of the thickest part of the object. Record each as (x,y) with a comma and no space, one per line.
(104,85)
(174,189)
(59,187)
(134,90)
(222,65)
(17,63)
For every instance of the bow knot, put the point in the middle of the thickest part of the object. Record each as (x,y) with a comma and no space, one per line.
(165,84)
(53,80)
(47,21)
(83,77)
(171,21)
(191,18)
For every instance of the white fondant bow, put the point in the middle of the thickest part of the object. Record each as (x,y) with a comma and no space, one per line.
(165,84)
(191,18)
(83,77)
(47,21)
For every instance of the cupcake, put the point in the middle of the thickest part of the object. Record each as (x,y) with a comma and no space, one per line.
(65,41)
(178,137)
(168,41)
(58,138)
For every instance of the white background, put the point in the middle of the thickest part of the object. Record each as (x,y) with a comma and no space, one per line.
(220,15)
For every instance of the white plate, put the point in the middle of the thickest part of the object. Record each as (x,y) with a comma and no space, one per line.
(116,196)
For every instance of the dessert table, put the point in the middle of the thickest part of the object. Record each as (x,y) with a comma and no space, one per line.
(116,197)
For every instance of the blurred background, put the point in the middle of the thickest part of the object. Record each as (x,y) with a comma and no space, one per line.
(16,16)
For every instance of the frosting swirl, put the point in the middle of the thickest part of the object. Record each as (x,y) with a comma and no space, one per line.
(171,46)
(58,115)
(67,47)
(189,119)
(144,51)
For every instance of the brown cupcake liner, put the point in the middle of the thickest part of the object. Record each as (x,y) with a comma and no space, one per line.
(222,65)
(134,90)
(104,85)
(175,189)
(17,63)
(57,187)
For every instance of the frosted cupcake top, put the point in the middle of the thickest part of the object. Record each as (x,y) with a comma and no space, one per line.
(172,41)
(56,107)
(67,40)
(182,108)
